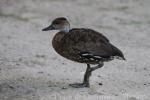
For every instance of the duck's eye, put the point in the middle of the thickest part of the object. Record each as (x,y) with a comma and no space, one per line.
(56,23)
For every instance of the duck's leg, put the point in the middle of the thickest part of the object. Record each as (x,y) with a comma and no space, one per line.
(87,75)
(98,66)
(86,79)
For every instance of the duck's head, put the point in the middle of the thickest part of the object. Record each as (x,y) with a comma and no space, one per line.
(60,23)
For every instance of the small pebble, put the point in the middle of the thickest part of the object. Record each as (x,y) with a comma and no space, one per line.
(49,86)
(98,76)
(10,86)
(20,59)
(132,98)
(63,88)
(100,84)
(40,72)
(17,64)
(40,56)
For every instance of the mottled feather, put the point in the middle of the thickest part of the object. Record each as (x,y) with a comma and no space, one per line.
(81,40)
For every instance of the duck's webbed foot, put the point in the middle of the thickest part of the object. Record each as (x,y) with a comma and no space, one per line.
(86,77)
(80,85)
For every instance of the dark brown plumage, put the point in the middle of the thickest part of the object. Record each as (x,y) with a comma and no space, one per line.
(82,45)
(80,42)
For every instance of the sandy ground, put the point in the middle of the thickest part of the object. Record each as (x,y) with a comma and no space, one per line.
(30,69)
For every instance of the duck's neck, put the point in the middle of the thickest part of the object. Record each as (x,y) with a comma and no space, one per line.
(66,29)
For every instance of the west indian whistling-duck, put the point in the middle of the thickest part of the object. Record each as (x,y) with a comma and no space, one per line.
(84,46)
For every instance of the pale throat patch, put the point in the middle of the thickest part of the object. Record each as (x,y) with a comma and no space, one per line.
(66,29)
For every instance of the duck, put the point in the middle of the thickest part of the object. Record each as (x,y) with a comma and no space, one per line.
(82,45)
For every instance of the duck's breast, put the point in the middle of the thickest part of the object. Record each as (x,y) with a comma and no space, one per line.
(57,43)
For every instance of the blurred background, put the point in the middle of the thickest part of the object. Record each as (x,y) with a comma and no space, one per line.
(30,69)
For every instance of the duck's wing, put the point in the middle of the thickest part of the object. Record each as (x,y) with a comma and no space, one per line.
(82,32)
(90,44)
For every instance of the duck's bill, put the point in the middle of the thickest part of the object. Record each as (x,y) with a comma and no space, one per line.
(48,28)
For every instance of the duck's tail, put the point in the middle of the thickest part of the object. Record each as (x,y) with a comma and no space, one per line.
(118,53)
